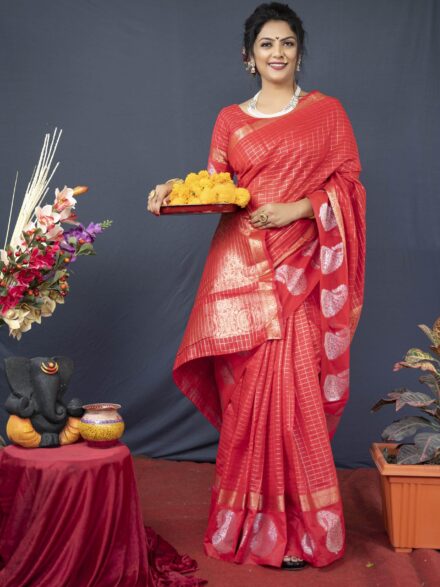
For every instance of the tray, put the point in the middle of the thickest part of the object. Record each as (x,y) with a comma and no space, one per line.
(200,209)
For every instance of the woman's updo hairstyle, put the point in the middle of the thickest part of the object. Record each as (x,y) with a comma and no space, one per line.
(271,11)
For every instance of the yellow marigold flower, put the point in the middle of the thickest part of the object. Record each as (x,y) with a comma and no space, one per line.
(242,197)
(205,198)
(225,193)
(223,177)
(206,188)
(178,201)
(228,198)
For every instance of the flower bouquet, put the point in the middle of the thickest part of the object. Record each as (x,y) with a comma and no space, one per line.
(34,264)
(204,192)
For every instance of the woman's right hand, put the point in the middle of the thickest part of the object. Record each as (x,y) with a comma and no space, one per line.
(158,196)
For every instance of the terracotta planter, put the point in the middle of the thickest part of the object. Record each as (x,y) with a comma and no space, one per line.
(410,501)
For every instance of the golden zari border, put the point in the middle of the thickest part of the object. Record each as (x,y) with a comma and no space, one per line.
(354,319)
(251,500)
(257,501)
(319,499)
(219,156)
(332,196)
(266,287)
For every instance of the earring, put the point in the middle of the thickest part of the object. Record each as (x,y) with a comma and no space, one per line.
(298,66)
(250,66)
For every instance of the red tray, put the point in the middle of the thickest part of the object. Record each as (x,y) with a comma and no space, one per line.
(200,209)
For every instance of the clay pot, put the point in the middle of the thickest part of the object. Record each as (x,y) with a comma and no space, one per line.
(101,425)
(410,498)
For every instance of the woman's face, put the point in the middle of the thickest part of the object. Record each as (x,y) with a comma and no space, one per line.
(275,52)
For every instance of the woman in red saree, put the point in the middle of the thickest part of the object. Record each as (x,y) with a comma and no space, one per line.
(265,355)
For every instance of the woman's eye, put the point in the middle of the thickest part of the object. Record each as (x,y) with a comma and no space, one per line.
(267,44)
(290,43)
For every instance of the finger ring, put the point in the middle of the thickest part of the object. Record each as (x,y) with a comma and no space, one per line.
(263,217)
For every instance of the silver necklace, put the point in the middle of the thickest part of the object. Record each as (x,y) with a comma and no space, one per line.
(253,111)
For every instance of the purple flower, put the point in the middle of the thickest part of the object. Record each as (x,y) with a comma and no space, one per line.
(79,232)
(88,235)
(94,229)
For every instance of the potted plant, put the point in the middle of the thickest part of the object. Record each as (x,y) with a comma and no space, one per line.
(410,470)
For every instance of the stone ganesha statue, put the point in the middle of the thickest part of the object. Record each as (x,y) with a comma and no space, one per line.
(39,418)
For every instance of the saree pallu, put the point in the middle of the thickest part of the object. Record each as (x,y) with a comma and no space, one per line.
(265,355)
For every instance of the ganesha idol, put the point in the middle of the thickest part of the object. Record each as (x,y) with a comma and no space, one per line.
(38,415)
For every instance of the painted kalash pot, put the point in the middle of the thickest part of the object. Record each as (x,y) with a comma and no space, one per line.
(101,424)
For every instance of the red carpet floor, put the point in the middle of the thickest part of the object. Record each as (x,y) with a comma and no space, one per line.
(175,501)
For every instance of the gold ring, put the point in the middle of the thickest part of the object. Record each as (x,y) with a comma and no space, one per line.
(263,217)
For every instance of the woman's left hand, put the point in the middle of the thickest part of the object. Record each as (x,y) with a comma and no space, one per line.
(274,215)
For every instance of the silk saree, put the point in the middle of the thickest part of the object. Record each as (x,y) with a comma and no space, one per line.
(265,355)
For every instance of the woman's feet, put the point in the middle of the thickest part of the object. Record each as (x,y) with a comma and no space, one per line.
(293,563)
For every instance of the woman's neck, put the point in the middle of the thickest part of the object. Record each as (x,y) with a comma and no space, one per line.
(273,97)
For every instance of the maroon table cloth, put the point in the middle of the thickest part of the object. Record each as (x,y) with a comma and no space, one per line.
(70,517)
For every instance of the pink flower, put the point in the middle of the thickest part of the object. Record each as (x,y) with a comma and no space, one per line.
(46,217)
(26,276)
(12,298)
(68,216)
(30,226)
(39,260)
(64,199)
(55,233)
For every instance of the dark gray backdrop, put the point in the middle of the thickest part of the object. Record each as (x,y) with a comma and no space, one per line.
(136,85)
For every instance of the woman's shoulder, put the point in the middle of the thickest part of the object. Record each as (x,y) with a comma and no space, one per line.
(331,102)
(228,111)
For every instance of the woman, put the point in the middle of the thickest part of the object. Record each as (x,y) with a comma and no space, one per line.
(265,355)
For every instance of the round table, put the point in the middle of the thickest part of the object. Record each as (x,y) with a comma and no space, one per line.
(70,517)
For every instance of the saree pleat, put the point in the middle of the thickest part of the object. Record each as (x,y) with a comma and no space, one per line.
(265,355)
(276,489)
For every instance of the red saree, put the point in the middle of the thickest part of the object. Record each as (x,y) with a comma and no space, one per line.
(265,356)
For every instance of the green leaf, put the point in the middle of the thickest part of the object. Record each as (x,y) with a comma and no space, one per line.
(408,454)
(382,402)
(433,382)
(436,332)
(428,443)
(85,249)
(426,330)
(106,224)
(434,411)
(405,427)
(59,273)
(422,365)
(416,399)
(417,355)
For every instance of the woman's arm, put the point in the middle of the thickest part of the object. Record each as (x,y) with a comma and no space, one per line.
(276,215)
(158,196)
